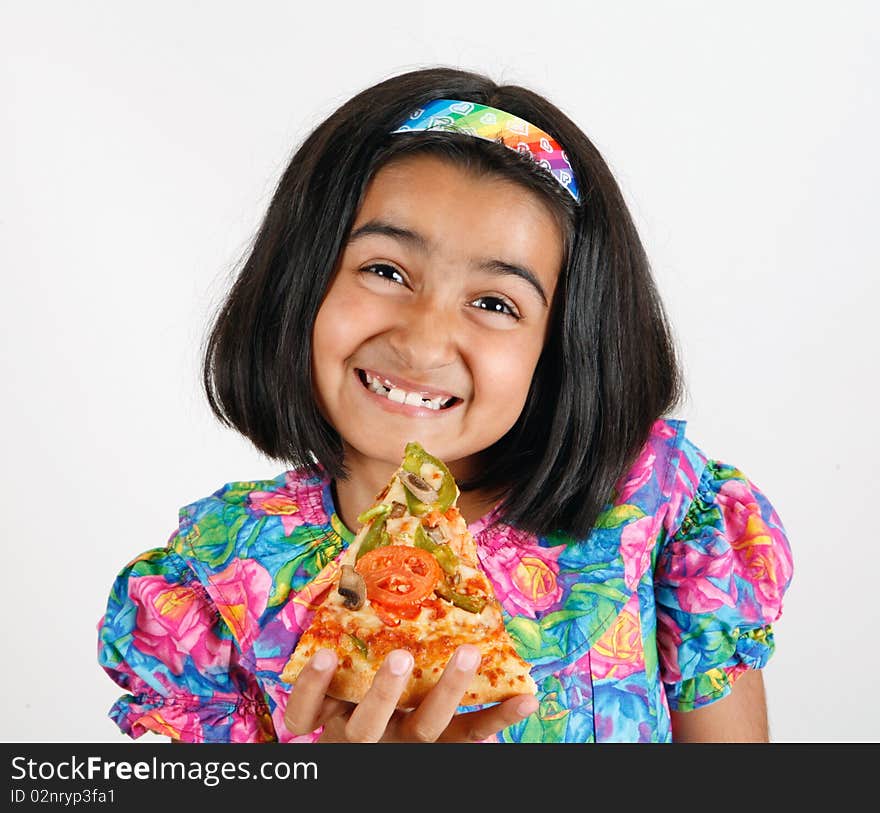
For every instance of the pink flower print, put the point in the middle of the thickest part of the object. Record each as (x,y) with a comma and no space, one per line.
(668,644)
(241,594)
(295,506)
(637,476)
(619,652)
(170,721)
(763,557)
(636,541)
(691,570)
(737,503)
(524,573)
(175,622)
(251,722)
(682,490)
(298,612)
(284,630)
(535,579)
(645,467)
(662,429)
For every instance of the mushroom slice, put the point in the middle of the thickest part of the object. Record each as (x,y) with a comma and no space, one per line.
(398,509)
(352,588)
(419,488)
(436,535)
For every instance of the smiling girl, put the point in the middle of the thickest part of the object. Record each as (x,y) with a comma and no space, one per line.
(450,261)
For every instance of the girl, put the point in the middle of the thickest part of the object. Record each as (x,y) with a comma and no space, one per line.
(450,261)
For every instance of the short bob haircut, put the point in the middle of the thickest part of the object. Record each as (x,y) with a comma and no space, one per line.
(609,368)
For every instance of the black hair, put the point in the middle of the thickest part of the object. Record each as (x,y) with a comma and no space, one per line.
(609,367)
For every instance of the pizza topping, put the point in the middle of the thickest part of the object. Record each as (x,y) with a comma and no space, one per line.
(442,552)
(387,618)
(439,535)
(414,458)
(472,604)
(419,488)
(352,588)
(399,576)
(432,518)
(361,646)
(380,510)
(376,536)
(401,529)
(398,509)
(431,475)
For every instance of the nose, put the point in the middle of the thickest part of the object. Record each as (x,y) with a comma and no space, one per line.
(425,338)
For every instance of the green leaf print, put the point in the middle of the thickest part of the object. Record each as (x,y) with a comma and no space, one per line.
(527,638)
(154,563)
(650,650)
(253,534)
(281,584)
(559,538)
(548,724)
(619,515)
(582,593)
(237,493)
(326,550)
(210,540)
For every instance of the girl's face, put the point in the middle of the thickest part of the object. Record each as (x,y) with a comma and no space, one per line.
(434,322)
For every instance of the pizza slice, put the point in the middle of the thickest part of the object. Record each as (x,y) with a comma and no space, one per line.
(411,580)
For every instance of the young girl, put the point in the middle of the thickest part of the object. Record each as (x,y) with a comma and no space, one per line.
(450,261)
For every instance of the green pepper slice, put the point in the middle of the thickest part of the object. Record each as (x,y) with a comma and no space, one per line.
(382,509)
(361,646)
(414,457)
(472,604)
(442,552)
(376,537)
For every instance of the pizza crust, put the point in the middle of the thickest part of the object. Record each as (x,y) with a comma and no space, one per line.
(502,673)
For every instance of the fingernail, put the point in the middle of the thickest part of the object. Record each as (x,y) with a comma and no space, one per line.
(467,658)
(322,660)
(527,707)
(400,662)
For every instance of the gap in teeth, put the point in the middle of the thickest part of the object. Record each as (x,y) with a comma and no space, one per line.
(402,396)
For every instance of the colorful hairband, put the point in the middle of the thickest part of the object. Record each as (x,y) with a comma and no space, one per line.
(492,124)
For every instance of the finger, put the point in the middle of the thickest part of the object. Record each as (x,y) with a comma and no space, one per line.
(430,719)
(306,700)
(476,726)
(370,719)
(331,708)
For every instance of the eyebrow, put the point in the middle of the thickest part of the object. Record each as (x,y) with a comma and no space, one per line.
(424,246)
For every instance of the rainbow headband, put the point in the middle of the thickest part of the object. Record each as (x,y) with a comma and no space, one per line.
(492,124)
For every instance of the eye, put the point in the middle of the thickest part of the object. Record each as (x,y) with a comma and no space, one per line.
(495,304)
(384,271)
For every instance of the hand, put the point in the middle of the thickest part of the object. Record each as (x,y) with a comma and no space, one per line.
(377,719)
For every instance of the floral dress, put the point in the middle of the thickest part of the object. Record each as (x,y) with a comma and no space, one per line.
(663,606)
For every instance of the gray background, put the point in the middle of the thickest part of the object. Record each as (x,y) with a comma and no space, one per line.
(141,143)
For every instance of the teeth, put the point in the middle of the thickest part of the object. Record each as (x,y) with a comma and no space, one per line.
(400,396)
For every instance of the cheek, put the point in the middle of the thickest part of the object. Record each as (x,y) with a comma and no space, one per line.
(340,327)
(503,375)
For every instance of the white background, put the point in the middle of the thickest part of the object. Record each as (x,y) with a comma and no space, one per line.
(141,143)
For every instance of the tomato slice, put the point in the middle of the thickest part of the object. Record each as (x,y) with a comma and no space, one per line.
(398,576)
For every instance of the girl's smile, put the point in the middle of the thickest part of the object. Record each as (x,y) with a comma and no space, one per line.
(436,317)
(405,397)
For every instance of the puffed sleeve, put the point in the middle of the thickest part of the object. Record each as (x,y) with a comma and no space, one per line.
(720,580)
(164,642)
